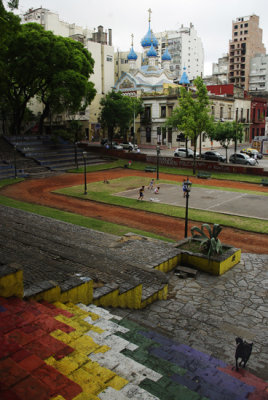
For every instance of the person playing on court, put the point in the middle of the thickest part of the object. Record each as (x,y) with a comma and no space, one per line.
(141,193)
(151,184)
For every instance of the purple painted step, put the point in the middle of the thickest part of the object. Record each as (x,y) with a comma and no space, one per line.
(203,375)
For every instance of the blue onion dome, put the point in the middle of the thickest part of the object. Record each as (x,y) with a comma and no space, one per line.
(151,52)
(132,55)
(166,56)
(184,78)
(149,38)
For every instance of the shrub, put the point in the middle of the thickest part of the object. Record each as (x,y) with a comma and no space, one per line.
(210,243)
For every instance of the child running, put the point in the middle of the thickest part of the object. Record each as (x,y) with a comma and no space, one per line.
(141,193)
(151,185)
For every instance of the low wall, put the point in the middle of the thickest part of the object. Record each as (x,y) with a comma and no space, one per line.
(179,162)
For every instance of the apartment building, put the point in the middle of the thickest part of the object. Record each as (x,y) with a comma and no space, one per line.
(246,43)
(186,50)
(258,77)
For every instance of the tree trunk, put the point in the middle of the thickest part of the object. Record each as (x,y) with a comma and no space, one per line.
(43,116)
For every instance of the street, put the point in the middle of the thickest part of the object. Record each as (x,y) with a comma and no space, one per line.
(170,152)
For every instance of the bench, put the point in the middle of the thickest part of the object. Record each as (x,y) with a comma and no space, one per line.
(150,169)
(264,181)
(204,175)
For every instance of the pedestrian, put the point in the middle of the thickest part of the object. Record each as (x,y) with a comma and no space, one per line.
(151,184)
(256,158)
(156,191)
(141,193)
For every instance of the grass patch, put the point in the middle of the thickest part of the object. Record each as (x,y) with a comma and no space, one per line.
(140,166)
(10,181)
(101,192)
(80,220)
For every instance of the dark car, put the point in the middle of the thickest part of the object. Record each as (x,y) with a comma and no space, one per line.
(104,141)
(240,158)
(213,156)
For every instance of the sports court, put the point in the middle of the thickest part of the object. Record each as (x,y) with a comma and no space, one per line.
(227,202)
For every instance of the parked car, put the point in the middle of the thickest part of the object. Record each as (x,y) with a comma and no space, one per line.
(251,153)
(129,146)
(213,156)
(117,146)
(181,152)
(240,158)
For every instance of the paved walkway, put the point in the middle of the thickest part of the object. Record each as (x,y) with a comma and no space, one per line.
(209,312)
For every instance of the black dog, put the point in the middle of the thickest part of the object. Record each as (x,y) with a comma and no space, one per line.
(243,351)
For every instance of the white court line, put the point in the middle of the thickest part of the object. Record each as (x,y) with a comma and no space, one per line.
(226,201)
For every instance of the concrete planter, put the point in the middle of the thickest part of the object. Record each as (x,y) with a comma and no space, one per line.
(216,265)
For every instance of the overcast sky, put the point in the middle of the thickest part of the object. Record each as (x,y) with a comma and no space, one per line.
(212,19)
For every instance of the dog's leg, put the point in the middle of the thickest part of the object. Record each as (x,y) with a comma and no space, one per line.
(236,364)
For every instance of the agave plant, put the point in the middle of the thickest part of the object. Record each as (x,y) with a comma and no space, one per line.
(210,243)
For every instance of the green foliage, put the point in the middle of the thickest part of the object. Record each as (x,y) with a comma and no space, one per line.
(192,116)
(117,112)
(35,62)
(210,244)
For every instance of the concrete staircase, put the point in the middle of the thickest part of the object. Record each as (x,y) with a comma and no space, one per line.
(58,156)
(66,351)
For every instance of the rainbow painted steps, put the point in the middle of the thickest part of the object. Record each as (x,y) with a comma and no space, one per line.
(65,351)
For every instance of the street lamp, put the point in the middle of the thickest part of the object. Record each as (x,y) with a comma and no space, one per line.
(157,161)
(75,155)
(15,160)
(85,170)
(187,186)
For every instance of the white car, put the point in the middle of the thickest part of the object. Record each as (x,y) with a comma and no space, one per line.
(129,146)
(117,146)
(181,152)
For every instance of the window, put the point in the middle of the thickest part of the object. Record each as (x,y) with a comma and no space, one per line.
(147,113)
(221,112)
(236,26)
(247,115)
(229,112)
(163,111)
(148,134)
(109,58)
(212,110)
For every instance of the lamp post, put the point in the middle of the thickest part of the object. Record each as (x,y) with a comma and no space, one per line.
(75,155)
(85,170)
(187,185)
(157,161)
(15,161)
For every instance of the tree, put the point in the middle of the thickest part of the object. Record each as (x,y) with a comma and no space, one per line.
(68,89)
(38,63)
(226,132)
(192,115)
(117,112)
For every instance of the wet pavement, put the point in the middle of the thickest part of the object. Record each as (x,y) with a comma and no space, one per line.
(209,312)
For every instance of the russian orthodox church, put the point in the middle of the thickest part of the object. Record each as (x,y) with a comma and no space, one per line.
(154,71)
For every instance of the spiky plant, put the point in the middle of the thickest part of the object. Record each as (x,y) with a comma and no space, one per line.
(210,244)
